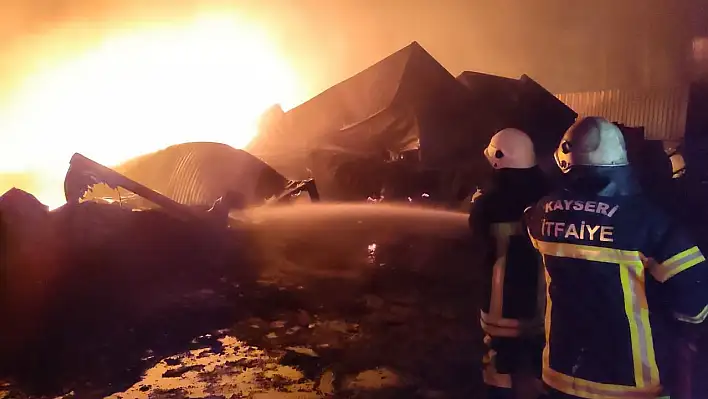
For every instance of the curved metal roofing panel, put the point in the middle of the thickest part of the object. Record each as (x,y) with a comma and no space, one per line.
(200,173)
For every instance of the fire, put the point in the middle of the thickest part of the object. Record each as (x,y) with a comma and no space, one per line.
(206,80)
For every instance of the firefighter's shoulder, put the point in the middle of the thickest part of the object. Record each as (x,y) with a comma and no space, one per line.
(538,205)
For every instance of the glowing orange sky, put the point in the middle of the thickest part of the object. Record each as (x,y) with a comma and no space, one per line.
(203,78)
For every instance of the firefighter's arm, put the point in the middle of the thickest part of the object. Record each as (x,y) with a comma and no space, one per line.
(480,225)
(529,221)
(681,268)
(479,216)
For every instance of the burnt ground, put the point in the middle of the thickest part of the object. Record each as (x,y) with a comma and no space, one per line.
(137,305)
(125,293)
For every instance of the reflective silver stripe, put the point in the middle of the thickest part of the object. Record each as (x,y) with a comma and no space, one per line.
(676,264)
(697,319)
(500,331)
(506,229)
(490,376)
(496,303)
(494,379)
(500,321)
(511,324)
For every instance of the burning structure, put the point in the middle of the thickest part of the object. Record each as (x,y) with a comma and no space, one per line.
(408,127)
(403,129)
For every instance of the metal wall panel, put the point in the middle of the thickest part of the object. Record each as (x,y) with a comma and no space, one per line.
(662,112)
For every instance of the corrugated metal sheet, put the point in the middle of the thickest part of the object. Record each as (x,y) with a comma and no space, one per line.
(199,173)
(662,112)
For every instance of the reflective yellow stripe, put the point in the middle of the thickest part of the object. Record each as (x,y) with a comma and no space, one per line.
(646,371)
(631,270)
(698,319)
(633,327)
(593,390)
(547,323)
(586,252)
(677,263)
(509,327)
(502,232)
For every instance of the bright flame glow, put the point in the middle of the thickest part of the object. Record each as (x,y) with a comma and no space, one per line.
(208,80)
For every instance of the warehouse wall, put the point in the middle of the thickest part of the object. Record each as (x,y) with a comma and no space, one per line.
(662,112)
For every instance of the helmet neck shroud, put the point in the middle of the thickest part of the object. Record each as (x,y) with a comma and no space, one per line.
(516,179)
(605,181)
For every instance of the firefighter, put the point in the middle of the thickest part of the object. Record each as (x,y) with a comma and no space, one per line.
(620,274)
(511,316)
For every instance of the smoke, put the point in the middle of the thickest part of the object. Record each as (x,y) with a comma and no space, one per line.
(565,45)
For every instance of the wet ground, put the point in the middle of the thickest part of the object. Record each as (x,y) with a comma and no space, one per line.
(298,305)
(301,316)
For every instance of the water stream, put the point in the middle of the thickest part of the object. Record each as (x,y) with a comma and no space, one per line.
(342,240)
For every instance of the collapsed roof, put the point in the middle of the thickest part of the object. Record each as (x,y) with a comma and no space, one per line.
(409,101)
(199,173)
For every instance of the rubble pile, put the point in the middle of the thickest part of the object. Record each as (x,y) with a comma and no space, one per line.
(93,270)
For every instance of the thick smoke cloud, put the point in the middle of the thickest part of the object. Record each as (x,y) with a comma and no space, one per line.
(565,45)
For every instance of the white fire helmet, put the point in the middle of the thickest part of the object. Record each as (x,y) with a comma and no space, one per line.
(510,149)
(592,141)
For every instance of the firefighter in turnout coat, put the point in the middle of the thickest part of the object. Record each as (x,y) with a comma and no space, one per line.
(511,315)
(621,276)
